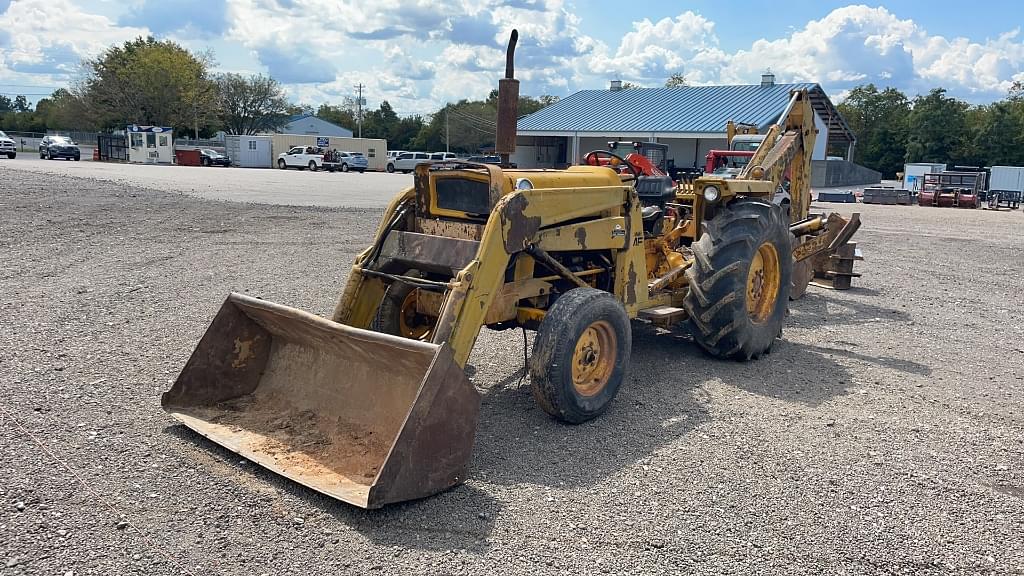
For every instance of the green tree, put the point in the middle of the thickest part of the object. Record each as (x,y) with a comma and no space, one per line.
(342,114)
(1016,92)
(997,135)
(6,105)
(251,105)
(21,104)
(676,80)
(937,130)
(150,82)
(879,121)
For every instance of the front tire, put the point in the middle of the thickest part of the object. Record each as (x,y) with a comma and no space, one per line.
(740,280)
(282,164)
(580,355)
(397,313)
(344,167)
(12,155)
(391,168)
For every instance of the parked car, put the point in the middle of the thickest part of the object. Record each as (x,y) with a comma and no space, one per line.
(54,147)
(443,156)
(392,156)
(489,159)
(7,146)
(209,157)
(407,161)
(301,157)
(345,161)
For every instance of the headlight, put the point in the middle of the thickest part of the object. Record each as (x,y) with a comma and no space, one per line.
(712,193)
(524,184)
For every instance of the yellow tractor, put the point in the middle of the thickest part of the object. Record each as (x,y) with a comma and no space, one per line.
(372,405)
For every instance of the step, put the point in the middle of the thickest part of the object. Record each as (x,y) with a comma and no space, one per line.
(662,315)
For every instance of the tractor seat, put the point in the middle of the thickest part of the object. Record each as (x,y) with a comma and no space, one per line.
(649,213)
(653,220)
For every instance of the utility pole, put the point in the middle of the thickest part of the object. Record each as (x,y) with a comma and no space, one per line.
(359,105)
(447,133)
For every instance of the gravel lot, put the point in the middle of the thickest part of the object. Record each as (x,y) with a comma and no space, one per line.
(267,186)
(883,435)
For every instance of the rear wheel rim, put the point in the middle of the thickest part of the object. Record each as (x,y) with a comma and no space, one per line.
(411,324)
(763,283)
(593,359)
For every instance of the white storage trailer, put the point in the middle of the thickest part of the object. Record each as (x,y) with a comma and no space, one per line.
(375,150)
(913,174)
(1006,179)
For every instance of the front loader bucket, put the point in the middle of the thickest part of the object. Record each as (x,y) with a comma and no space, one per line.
(364,417)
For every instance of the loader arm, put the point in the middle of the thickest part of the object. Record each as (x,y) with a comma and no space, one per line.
(523,220)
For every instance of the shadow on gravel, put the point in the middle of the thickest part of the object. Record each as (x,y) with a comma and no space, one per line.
(461,518)
(816,310)
(792,372)
(898,364)
(518,443)
(663,402)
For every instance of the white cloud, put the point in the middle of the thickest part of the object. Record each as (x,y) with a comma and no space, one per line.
(850,46)
(655,50)
(419,54)
(50,37)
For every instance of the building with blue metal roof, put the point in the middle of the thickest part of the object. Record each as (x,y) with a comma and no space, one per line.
(312,125)
(690,119)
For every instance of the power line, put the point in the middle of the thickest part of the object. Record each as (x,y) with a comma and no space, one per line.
(32,86)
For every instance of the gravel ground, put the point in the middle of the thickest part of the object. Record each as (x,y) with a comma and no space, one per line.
(266,186)
(882,435)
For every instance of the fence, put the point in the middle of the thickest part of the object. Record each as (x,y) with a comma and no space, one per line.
(79,136)
(112,147)
(201,143)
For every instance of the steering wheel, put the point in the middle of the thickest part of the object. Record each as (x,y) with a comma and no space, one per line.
(593,158)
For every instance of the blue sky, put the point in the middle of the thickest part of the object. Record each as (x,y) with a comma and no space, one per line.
(418,54)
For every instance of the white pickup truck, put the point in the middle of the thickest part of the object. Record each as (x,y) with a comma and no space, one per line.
(301,157)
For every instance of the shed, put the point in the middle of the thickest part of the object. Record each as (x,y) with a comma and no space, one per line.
(249,151)
(150,144)
(691,120)
(313,125)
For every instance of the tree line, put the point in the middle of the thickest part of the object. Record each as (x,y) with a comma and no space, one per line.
(146,81)
(892,129)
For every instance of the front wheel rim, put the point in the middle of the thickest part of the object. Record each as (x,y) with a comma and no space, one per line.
(593,359)
(763,283)
(410,322)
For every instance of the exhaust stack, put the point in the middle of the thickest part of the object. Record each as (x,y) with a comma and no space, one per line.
(508,105)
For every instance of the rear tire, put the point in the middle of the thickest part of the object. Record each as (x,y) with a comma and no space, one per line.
(740,280)
(580,355)
(282,164)
(312,166)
